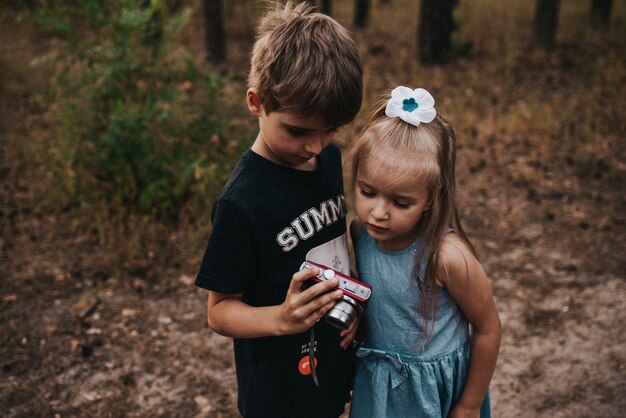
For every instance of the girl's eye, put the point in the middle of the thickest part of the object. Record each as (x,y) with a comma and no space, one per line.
(367,193)
(401,205)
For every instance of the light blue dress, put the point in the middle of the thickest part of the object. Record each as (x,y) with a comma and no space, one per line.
(401,373)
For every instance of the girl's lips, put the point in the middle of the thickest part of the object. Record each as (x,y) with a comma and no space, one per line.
(376,228)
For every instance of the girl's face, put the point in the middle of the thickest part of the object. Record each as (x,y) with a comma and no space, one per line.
(389,206)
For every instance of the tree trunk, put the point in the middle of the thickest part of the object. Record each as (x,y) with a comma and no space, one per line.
(434,34)
(214,31)
(326,7)
(601,13)
(361,13)
(546,22)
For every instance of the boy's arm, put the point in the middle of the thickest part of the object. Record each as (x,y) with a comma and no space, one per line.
(466,281)
(228,315)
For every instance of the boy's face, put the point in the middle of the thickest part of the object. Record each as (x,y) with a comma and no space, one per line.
(289,139)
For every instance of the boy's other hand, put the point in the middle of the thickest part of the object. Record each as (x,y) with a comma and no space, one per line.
(302,308)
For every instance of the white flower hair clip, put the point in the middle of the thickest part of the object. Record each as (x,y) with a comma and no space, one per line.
(412,106)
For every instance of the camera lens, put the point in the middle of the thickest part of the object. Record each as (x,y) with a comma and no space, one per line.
(343,314)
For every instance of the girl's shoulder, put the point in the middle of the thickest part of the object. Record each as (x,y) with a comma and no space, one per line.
(455,260)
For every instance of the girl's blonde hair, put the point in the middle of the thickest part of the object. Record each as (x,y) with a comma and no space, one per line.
(426,152)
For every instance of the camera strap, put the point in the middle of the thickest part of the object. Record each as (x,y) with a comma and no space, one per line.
(312,355)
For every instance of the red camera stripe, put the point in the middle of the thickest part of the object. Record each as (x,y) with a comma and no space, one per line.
(352,279)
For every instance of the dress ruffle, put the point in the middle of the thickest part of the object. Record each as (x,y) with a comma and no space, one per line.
(394,385)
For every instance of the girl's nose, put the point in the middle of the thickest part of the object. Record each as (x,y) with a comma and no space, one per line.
(379,211)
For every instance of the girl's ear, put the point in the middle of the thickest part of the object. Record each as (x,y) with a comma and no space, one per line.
(429,205)
(254,103)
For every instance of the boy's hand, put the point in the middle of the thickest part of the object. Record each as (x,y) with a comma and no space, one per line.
(303,308)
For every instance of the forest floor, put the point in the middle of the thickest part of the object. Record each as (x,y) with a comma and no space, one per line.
(81,336)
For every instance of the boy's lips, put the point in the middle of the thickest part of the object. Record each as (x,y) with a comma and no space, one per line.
(303,158)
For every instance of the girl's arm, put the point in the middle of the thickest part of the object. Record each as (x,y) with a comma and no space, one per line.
(463,276)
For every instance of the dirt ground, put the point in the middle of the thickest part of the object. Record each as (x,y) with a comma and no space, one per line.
(83,337)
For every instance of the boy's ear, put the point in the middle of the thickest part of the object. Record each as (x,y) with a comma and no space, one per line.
(254,102)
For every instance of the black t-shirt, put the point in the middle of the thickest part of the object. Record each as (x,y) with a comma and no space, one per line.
(266,221)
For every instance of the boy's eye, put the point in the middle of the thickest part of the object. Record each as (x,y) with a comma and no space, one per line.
(367,193)
(296,132)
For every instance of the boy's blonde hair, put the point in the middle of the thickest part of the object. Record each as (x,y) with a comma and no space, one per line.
(306,63)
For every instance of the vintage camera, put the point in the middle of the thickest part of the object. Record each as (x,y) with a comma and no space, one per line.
(355,295)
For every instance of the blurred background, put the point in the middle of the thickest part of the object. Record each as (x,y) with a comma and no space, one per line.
(121,119)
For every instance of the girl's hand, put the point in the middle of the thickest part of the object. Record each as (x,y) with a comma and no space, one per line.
(459,411)
(348,335)
(303,308)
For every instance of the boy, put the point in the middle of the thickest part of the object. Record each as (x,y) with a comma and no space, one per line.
(282,205)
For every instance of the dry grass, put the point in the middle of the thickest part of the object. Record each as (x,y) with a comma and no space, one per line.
(541,177)
(558,107)
(547,125)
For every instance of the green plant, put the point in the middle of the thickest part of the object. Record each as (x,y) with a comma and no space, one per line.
(139,129)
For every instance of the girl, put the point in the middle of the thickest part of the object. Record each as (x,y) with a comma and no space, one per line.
(433,331)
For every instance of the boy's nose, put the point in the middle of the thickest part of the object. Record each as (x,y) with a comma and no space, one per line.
(314,146)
